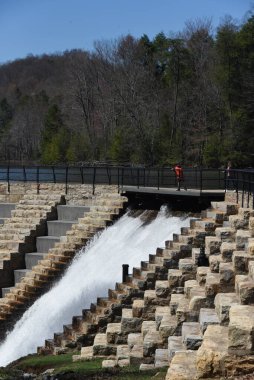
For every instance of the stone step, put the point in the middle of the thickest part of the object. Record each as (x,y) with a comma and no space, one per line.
(31,259)
(191,335)
(161,358)
(19,274)
(44,243)
(223,303)
(212,353)
(59,227)
(182,366)
(71,212)
(5,209)
(227,207)
(175,343)
(207,317)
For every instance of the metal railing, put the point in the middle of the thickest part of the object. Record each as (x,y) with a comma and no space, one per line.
(160,178)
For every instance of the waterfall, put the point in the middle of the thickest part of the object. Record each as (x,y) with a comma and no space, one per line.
(96,268)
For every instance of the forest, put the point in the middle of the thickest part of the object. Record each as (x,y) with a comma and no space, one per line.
(154,102)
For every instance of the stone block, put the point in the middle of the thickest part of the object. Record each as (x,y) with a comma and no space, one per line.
(241,261)
(174,278)
(207,317)
(136,355)
(162,289)
(213,284)
(137,308)
(191,335)
(223,303)
(227,250)
(245,292)
(201,275)
(113,330)
(227,276)
(237,222)
(212,245)
(212,353)
(240,332)
(226,234)
(241,239)
(214,263)
(148,326)
(122,351)
(250,246)
(161,358)
(251,225)
(146,367)
(152,341)
(168,327)
(183,366)
(175,343)
(188,285)
(110,363)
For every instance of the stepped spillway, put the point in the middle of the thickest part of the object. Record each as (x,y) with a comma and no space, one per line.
(93,271)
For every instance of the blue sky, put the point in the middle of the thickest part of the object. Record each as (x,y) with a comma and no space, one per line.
(49,26)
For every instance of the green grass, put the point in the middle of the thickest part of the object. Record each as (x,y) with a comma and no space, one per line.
(64,364)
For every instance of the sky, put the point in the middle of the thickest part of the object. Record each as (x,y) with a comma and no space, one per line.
(52,26)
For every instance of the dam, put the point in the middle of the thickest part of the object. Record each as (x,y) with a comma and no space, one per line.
(190,287)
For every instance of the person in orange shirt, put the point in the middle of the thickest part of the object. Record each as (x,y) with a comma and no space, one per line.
(179,176)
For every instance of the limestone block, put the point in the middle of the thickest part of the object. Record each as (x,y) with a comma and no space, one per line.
(86,352)
(241,261)
(211,354)
(188,285)
(227,250)
(136,355)
(225,234)
(123,362)
(213,285)
(191,335)
(122,351)
(137,308)
(245,291)
(214,263)
(175,301)
(148,326)
(212,245)
(134,339)
(207,317)
(183,366)
(223,303)
(238,222)
(242,237)
(168,326)
(152,341)
(113,330)
(174,278)
(241,327)
(161,358)
(162,289)
(130,324)
(175,343)
(251,225)
(250,246)
(227,276)
(146,367)
(187,266)
(160,312)
(251,269)
(101,347)
(109,363)
(201,275)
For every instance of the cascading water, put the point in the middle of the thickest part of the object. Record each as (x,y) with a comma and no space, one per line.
(95,269)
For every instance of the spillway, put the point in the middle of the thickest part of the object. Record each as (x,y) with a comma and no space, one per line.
(96,268)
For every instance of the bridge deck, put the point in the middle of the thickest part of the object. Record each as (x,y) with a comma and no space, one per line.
(174,192)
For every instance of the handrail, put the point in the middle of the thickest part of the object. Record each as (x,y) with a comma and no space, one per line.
(242,180)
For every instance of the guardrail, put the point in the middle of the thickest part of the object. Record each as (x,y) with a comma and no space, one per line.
(241,181)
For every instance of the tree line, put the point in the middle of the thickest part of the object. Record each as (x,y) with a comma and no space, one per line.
(187,97)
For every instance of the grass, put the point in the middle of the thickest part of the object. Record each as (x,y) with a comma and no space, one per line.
(90,369)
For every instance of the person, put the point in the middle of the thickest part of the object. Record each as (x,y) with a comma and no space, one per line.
(229,177)
(179,176)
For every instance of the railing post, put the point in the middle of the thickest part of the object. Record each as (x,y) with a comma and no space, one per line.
(37,179)
(118,181)
(138,178)
(54,175)
(125,272)
(158,179)
(201,180)
(8,178)
(122,175)
(66,180)
(94,175)
(82,175)
(24,173)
